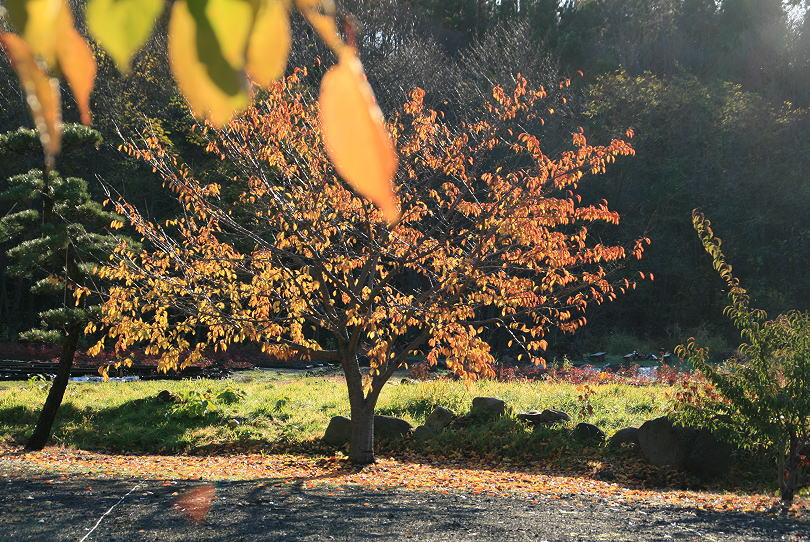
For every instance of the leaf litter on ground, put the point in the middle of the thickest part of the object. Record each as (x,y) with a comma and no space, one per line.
(477,476)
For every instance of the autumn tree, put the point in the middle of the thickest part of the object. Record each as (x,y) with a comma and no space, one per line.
(60,236)
(490,234)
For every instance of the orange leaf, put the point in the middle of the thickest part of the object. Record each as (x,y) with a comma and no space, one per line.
(77,63)
(354,133)
(196,503)
(42,92)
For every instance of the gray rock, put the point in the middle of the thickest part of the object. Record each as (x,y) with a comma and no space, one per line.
(166,396)
(339,431)
(408,381)
(696,451)
(391,428)
(546,417)
(605,474)
(628,435)
(663,443)
(424,432)
(440,418)
(588,432)
(708,457)
(487,408)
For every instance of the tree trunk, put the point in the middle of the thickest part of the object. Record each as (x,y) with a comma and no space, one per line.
(789,472)
(361,448)
(42,432)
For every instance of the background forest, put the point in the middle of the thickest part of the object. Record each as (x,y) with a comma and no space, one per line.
(717,93)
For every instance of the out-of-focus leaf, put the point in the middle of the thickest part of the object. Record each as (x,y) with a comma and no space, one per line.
(270,42)
(122,26)
(35,21)
(321,16)
(197,502)
(213,87)
(77,63)
(354,133)
(42,93)
(228,22)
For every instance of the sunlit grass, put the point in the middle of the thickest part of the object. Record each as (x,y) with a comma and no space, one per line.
(293,410)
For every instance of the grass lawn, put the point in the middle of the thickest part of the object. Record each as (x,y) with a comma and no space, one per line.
(281,410)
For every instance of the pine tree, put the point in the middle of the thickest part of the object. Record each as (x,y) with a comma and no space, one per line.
(59,234)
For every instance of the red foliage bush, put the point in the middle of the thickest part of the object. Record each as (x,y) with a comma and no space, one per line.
(666,375)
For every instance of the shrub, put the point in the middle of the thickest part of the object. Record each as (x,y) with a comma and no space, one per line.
(761,398)
(199,404)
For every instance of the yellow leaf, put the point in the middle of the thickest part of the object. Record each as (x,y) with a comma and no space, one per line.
(270,42)
(77,63)
(35,21)
(42,92)
(122,26)
(354,133)
(213,88)
(228,22)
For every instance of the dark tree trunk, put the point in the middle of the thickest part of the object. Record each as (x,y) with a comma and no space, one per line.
(361,448)
(42,432)
(361,445)
(789,471)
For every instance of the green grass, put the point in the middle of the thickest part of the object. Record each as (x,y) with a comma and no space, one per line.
(282,410)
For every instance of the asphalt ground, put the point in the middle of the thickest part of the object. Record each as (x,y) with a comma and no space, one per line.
(82,509)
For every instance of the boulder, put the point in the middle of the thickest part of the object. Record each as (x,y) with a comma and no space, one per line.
(708,457)
(628,435)
(588,432)
(391,428)
(605,474)
(546,417)
(424,432)
(166,396)
(664,443)
(440,418)
(339,431)
(487,408)
(694,450)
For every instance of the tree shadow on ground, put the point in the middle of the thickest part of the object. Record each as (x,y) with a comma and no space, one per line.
(133,426)
(274,509)
(556,451)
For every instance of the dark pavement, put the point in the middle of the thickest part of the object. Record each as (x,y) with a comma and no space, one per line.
(74,509)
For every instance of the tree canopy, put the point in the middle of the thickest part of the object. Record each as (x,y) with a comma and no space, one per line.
(493,238)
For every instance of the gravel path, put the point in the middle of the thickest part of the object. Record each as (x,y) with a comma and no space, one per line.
(74,509)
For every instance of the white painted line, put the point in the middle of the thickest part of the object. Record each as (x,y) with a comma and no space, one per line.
(110,510)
